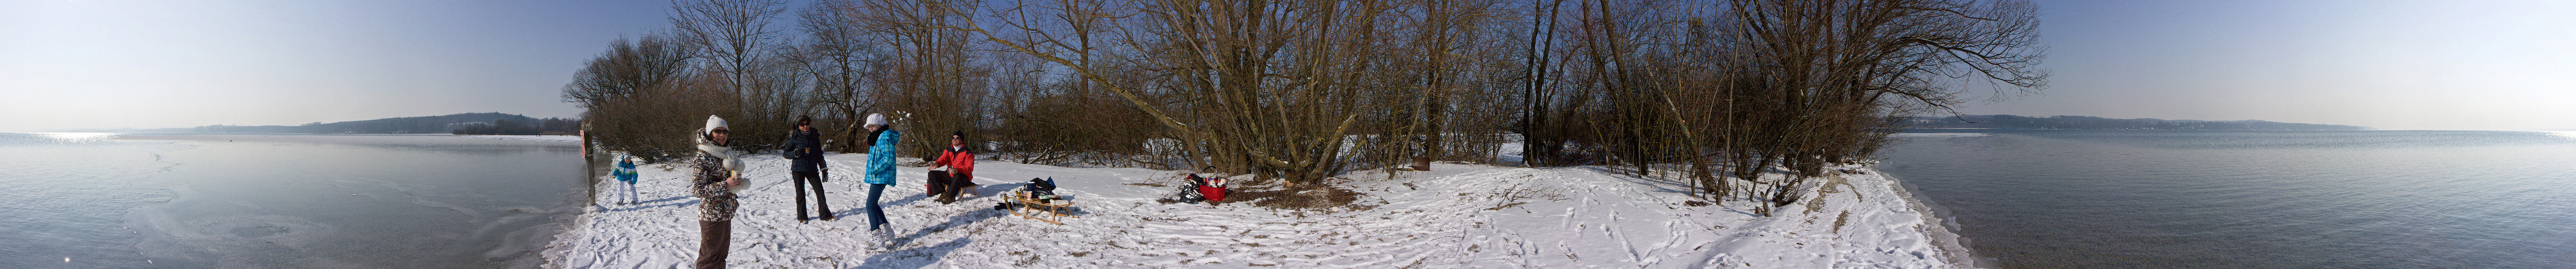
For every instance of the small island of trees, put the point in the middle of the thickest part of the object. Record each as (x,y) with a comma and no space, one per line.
(1709,94)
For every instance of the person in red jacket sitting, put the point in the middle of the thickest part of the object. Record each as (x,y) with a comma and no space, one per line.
(957,164)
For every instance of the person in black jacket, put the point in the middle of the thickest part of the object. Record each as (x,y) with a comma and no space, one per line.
(805,148)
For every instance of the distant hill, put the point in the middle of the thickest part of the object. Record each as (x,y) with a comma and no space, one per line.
(2100,123)
(404,125)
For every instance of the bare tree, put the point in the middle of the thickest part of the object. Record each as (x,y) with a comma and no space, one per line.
(731,35)
(1753,85)
(1830,71)
(1742,99)
(926,78)
(1262,78)
(627,68)
(618,88)
(840,46)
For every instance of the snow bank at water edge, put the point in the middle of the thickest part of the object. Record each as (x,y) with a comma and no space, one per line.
(1458,216)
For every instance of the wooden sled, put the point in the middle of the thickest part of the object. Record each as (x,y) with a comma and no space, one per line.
(1054,212)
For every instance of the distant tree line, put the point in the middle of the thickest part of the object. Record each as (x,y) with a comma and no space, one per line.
(1714,94)
(2100,123)
(403,125)
(547,126)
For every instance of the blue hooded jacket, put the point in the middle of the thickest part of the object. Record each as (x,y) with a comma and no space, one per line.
(881,158)
(625,170)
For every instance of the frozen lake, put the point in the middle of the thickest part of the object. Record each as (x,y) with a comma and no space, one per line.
(285,201)
(2251,199)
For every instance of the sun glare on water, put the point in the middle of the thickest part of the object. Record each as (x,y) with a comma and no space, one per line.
(2565,134)
(77,137)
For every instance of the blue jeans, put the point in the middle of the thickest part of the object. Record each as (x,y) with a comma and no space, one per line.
(876,214)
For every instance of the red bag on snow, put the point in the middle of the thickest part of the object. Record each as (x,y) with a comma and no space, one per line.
(1212,193)
(1212,188)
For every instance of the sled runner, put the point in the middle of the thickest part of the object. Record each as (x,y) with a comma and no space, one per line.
(1038,198)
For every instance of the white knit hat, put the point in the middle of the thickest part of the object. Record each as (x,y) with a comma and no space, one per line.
(713,122)
(876,119)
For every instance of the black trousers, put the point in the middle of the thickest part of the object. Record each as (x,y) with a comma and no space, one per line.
(938,182)
(715,239)
(946,185)
(802,178)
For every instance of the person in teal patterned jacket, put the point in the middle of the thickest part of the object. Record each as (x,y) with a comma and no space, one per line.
(880,173)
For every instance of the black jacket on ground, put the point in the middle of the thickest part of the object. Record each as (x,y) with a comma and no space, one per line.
(806,148)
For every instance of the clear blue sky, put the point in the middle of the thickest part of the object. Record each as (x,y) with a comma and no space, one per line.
(2468,65)
(2396,65)
(157,64)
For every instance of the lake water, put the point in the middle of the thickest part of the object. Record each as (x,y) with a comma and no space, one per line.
(2252,199)
(283,201)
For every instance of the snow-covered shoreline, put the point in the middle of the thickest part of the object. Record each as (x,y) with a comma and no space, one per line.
(1456,216)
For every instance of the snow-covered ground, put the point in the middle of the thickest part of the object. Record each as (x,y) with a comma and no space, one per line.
(1457,216)
(565,138)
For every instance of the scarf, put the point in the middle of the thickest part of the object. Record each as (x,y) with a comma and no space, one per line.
(731,161)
